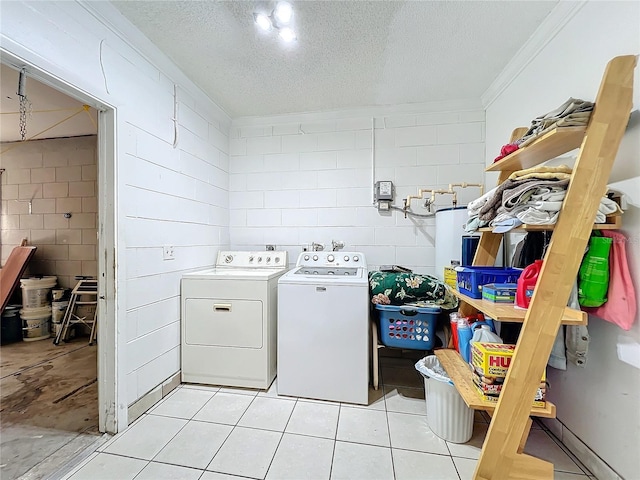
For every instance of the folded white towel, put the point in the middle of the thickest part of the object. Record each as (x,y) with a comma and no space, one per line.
(547,206)
(533,216)
(474,206)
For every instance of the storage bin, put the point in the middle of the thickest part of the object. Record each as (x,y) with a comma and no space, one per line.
(447,414)
(407,327)
(11,330)
(471,279)
(35,291)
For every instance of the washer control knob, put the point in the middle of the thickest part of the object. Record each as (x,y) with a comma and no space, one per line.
(346,258)
(259,259)
(277,259)
(306,257)
(228,258)
(251,258)
(268,259)
(330,258)
(356,258)
(315,259)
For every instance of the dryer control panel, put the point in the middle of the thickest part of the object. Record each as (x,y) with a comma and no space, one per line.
(244,259)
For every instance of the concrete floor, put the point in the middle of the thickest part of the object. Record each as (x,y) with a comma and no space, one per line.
(48,405)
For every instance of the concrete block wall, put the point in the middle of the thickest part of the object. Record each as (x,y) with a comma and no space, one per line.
(310,180)
(57,176)
(172,197)
(170,177)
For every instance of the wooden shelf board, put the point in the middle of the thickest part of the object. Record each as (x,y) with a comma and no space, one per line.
(506,312)
(460,374)
(550,145)
(614,222)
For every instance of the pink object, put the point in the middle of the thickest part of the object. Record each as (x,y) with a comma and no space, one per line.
(507,149)
(527,283)
(621,306)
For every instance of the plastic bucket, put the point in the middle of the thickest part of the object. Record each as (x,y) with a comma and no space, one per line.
(58,309)
(35,291)
(11,327)
(57,294)
(447,414)
(35,323)
(55,328)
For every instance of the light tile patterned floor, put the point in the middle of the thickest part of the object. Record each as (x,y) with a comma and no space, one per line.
(204,433)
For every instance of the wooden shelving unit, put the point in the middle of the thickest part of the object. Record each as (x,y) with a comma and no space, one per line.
(550,145)
(501,457)
(614,222)
(460,374)
(507,312)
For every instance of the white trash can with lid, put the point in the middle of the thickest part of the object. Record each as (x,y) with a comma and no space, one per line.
(447,414)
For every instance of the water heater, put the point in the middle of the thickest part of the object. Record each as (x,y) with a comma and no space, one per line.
(450,224)
(450,231)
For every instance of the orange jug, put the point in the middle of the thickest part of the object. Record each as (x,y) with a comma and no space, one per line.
(527,283)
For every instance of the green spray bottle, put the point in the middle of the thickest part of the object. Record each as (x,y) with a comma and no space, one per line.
(593,276)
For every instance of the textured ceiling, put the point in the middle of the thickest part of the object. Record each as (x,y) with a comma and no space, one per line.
(51,114)
(349,54)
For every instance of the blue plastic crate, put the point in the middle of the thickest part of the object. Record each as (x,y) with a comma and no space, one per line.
(471,279)
(407,327)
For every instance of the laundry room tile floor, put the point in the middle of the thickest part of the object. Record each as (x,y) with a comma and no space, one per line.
(211,433)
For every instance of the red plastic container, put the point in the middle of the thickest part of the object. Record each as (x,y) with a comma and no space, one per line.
(454,331)
(527,283)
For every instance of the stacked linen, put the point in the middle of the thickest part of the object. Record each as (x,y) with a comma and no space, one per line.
(533,196)
(572,113)
(535,202)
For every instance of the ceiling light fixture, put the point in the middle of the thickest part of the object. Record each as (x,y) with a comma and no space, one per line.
(262,21)
(283,13)
(287,34)
(278,19)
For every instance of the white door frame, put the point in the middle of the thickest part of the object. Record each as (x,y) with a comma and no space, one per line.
(112,411)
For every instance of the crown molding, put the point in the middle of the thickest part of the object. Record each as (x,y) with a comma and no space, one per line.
(563,12)
(364,112)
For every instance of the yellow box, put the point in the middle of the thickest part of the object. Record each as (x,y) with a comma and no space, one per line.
(490,388)
(492,359)
(494,398)
(451,277)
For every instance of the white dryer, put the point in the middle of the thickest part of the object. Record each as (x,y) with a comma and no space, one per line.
(323,328)
(229,318)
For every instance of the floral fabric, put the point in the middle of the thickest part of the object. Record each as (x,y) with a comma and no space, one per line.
(388,288)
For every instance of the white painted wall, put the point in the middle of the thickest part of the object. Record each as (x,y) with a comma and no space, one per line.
(599,403)
(300,179)
(165,195)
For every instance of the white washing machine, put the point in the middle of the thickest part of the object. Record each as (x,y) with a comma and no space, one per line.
(229,318)
(323,328)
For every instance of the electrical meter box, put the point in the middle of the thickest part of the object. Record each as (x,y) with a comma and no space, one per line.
(384,190)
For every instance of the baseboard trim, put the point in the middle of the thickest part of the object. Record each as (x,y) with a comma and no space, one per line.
(144,403)
(598,467)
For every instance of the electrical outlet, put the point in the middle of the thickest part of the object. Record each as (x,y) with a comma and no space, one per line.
(271,248)
(306,247)
(168,252)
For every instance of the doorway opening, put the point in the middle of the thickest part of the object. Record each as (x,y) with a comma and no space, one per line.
(57,192)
